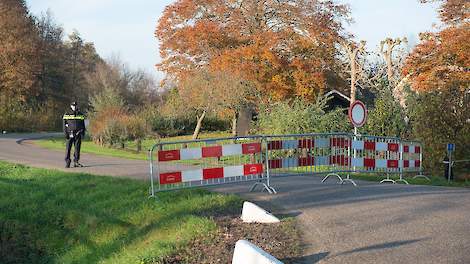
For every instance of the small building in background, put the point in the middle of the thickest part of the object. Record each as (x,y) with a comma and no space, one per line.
(338,100)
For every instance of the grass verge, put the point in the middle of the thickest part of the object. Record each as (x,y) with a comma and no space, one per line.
(128,153)
(50,216)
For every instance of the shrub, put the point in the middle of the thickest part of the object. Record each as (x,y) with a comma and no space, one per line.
(438,118)
(299,116)
(387,117)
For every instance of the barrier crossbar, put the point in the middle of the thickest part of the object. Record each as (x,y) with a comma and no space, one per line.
(198,163)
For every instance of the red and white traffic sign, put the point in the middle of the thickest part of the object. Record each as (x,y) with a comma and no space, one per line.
(357,113)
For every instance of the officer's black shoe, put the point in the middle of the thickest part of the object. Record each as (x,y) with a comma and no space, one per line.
(77,164)
(67,164)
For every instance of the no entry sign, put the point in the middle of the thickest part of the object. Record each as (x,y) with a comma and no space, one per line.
(357,113)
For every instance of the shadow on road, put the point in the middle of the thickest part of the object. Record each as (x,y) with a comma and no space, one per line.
(310,259)
(387,245)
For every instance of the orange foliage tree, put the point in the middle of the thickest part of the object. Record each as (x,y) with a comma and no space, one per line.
(442,59)
(284,48)
(439,70)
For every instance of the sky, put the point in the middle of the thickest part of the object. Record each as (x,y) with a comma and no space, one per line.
(126,28)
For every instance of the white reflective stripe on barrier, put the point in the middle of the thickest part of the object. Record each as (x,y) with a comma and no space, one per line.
(411,149)
(357,144)
(192,175)
(232,171)
(191,153)
(322,142)
(357,162)
(290,162)
(381,163)
(412,164)
(290,144)
(233,149)
(381,146)
(321,160)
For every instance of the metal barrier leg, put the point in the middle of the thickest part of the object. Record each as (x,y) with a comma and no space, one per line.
(421,176)
(266,187)
(388,180)
(333,174)
(402,180)
(348,179)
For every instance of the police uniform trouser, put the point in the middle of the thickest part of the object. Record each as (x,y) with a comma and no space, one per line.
(77,141)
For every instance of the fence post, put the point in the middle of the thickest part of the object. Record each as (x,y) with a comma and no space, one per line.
(152,187)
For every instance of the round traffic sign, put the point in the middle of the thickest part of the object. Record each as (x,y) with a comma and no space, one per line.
(357,113)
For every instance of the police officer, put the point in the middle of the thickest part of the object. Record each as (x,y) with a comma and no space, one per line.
(74,130)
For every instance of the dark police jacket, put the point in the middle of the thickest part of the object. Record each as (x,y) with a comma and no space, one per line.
(74,123)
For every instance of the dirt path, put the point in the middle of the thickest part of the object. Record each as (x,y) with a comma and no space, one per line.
(371,223)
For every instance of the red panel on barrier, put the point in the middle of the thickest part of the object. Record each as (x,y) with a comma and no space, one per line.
(393,147)
(339,142)
(306,143)
(213,173)
(215,151)
(275,144)
(275,164)
(369,145)
(370,163)
(406,149)
(406,163)
(392,163)
(417,163)
(172,177)
(168,155)
(332,160)
(249,169)
(250,148)
(306,161)
(339,160)
(417,149)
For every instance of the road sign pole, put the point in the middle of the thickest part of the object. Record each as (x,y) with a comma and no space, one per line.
(450,167)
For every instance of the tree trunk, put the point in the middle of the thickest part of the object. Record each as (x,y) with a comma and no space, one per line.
(139,145)
(198,126)
(234,125)
(353,79)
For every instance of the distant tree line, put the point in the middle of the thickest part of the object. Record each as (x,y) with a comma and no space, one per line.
(42,71)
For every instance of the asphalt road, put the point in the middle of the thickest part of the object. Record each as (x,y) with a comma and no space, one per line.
(19,148)
(371,223)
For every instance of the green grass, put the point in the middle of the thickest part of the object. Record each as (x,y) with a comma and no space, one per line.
(127,153)
(49,216)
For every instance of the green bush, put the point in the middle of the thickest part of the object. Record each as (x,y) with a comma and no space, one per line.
(438,118)
(178,125)
(299,116)
(387,117)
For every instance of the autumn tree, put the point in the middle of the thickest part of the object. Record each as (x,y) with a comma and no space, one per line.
(18,63)
(81,60)
(439,73)
(218,93)
(284,48)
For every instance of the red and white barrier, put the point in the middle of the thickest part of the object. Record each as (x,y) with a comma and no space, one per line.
(218,161)
(210,173)
(209,152)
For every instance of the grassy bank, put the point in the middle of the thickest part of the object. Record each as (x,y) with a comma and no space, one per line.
(127,153)
(56,217)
